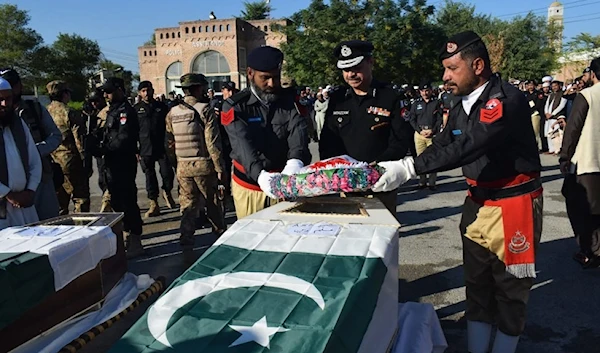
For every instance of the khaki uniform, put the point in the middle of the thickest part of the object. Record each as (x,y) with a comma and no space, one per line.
(199,156)
(68,156)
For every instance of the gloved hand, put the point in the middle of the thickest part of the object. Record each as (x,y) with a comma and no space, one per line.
(396,174)
(292,166)
(264,181)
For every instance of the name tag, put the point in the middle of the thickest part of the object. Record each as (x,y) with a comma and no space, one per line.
(456,132)
(531,104)
(256,119)
(341,112)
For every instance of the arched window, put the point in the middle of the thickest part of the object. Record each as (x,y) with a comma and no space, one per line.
(206,29)
(150,52)
(199,29)
(167,35)
(172,34)
(187,30)
(214,28)
(144,53)
(174,72)
(220,28)
(161,36)
(155,53)
(178,34)
(265,28)
(228,28)
(214,66)
(193,29)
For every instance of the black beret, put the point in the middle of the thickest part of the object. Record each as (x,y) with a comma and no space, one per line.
(587,70)
(265,59)
(457,43)
(112,84)
(10,75)
(144,84)
(229,86)
(352,52)
(424,84)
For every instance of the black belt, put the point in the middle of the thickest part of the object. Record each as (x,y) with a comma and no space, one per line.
(481,193)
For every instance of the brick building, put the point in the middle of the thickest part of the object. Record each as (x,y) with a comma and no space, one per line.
(215,48)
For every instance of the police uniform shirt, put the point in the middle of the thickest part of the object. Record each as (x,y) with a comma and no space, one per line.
(535,100)
(426,115)
(493,142)
(368,128)
(121,131)
(151,117)
(264,137)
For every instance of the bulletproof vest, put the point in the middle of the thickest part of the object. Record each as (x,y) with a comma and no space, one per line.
(188,131)
(18,133)
(31,113)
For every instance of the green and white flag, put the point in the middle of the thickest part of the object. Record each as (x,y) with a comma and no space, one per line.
(273,286)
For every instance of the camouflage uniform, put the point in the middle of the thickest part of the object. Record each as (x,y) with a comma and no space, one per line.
(101,122)
(69,154)
(199,156)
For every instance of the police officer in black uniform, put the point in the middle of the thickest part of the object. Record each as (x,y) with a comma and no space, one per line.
(490,136)
(151,116)
(364,120)
(119,146)
(536,101)
(266,131)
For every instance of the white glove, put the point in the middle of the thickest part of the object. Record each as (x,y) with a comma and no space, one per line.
(292,166)
(396,174)
(264,181)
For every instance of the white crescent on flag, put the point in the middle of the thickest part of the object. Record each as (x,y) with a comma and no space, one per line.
(160,313)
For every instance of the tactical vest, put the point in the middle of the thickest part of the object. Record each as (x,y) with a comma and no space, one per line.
(188,131)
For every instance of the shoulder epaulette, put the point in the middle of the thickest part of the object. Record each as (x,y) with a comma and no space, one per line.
(238,97)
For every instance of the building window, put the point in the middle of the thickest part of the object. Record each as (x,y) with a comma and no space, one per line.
(161,36)
(174,72)
(167,35)
(150,52)
(220,28)
(172,34)
(155,53)
(228,27)
(214,66)
(187,30)
(214,28)
(178,34)
(193,29)
(266,29)
(199,29)
(206,29)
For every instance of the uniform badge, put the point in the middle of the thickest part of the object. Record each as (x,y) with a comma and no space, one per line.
(123,118)
(379,111)
(518,243)
(491,112)
(451,47)
(227,117)
(346,51)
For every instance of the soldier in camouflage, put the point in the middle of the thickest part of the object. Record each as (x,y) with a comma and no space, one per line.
(69,154)
(100,164)
(197,141)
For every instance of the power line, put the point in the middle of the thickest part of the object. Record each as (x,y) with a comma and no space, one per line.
(537,9)
(127,36)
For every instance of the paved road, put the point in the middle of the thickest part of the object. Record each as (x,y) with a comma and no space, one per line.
(563,311)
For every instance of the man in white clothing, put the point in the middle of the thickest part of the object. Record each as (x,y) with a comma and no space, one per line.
(554,109)
(20,165)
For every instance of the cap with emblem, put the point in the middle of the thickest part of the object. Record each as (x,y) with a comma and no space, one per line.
(10,75)
(352,52)
(230,86)
(424,84)
(189,80)
(144,84)
(265,59)
(587,70)
(5,85)
(112,84)
(57,87)
(458,43)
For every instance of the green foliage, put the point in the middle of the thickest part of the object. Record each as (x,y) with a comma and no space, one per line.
(120,72)
(152,40)
(78,106)
(584,41)
(256,10)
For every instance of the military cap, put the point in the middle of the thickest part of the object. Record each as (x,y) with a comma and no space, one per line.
(229,86)
(144,84)
(424,85)
(5,85)
(189,80)
(265,59)
(112,84)
(352,52)
(57,86)
(10,75)
(96,96)
(587,70)
(458,43)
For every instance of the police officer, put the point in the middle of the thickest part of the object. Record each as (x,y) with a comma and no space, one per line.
(364,121)
(491,137)
(119,147)
(228,89)
(535,100)
(426,120)
(265,129)
(69,154)
(200,166)
(47,138)
(151,116)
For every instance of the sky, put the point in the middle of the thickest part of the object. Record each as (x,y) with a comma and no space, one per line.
(120,26)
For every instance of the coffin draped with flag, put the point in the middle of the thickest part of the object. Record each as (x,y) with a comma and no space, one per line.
(279,282)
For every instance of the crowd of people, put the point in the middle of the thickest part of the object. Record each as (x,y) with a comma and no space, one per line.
(227,148)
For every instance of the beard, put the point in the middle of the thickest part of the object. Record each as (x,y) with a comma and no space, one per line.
(267,95)
(7,114)
(466,89)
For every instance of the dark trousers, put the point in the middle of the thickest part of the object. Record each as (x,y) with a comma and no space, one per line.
(120,179)
(585,224)
(101,173)
(166,174)
(493,295)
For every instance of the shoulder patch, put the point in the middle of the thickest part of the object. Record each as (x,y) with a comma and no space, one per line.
(492,111)
(238,97)
(227,117)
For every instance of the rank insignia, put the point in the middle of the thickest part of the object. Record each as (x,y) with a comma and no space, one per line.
(123,118)
(379,111)
(227,117)
(491,112)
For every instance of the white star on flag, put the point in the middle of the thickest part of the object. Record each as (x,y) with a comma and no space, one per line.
(259,333)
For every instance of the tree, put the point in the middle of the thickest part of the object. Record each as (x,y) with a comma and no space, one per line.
(584,41)
(256,10)
(119,71)
(19,44)
(152,40)
(73,58)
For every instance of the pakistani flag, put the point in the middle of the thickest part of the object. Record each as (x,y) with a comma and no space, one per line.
(273,286)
